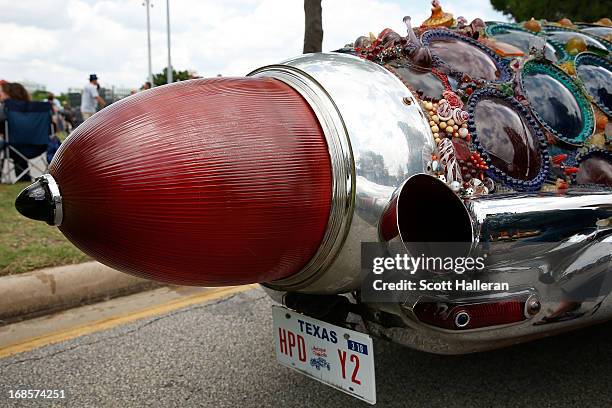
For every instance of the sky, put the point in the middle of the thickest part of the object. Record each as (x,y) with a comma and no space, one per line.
(58,43)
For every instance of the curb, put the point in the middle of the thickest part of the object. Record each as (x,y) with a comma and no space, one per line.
(49,290)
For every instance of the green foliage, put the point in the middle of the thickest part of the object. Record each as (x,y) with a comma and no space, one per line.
(162,78)
(39,95)
(554,10)
(62,97)
(42,96)
(25,244)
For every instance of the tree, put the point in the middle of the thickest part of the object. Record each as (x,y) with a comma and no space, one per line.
(554,10)
(313,27)
(42,96)
(62,97)
(162,77)
(39,95)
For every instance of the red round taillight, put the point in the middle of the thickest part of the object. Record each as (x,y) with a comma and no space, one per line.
(206,182)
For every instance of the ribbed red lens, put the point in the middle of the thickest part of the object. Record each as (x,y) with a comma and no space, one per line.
(471,316)
(494,314)
(207,182)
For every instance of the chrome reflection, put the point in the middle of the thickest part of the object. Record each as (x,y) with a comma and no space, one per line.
(524,40)
(464,55)
(390,140)
(556,245)
(558,102)
(605,33)
(595,72)
(564,35)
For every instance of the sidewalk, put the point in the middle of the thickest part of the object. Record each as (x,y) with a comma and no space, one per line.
(48,290)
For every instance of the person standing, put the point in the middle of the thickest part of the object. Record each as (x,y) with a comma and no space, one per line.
(57,110)
(90,98)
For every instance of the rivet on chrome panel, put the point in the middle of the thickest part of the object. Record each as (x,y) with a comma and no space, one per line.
(532,306)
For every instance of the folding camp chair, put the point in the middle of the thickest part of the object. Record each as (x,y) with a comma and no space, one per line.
(26,136)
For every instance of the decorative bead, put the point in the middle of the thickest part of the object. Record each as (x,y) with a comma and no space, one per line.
(455,186)
(435,129)
(448,129)
(561,184)
(576,45)
(455,127)
(428,106)
(436,118)
(442,125)
(559,158)
(460,116)
(431,123)
(445,111)
(436,135)
(450,122)
(571,170)
(601,121)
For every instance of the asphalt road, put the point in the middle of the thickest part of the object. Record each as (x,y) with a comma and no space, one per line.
(220,354)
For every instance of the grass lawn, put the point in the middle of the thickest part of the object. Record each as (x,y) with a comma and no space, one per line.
(26,245)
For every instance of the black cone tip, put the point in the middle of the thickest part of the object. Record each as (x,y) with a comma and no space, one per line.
(36,203)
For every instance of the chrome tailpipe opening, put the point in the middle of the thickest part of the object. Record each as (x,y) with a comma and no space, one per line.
(429,211)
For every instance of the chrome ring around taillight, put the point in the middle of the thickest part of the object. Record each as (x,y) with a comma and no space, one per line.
(342,164)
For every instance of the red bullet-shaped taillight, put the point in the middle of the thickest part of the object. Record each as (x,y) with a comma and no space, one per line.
(207,182)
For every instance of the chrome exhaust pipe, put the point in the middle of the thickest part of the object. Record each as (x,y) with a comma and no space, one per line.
(557,246)
(513,217)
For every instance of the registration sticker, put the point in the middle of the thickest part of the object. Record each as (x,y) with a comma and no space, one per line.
(339,357)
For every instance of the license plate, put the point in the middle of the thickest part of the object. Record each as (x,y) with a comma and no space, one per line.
(339,357)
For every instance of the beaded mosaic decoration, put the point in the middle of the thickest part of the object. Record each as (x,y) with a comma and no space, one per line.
(512,107)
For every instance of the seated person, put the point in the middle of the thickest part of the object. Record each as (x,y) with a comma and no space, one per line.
(13,90)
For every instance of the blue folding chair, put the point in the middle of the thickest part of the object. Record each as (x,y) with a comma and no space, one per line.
(27,131)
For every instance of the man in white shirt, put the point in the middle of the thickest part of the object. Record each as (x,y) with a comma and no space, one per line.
(90,98)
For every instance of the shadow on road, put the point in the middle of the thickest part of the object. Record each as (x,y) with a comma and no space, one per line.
(565,370)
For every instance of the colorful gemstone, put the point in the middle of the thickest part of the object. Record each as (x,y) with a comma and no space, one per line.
(554,103)
(465,57)
(507,139)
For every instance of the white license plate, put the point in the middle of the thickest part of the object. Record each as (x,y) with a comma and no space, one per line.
(334,355)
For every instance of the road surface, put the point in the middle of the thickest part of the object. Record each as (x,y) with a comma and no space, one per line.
(218,352)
